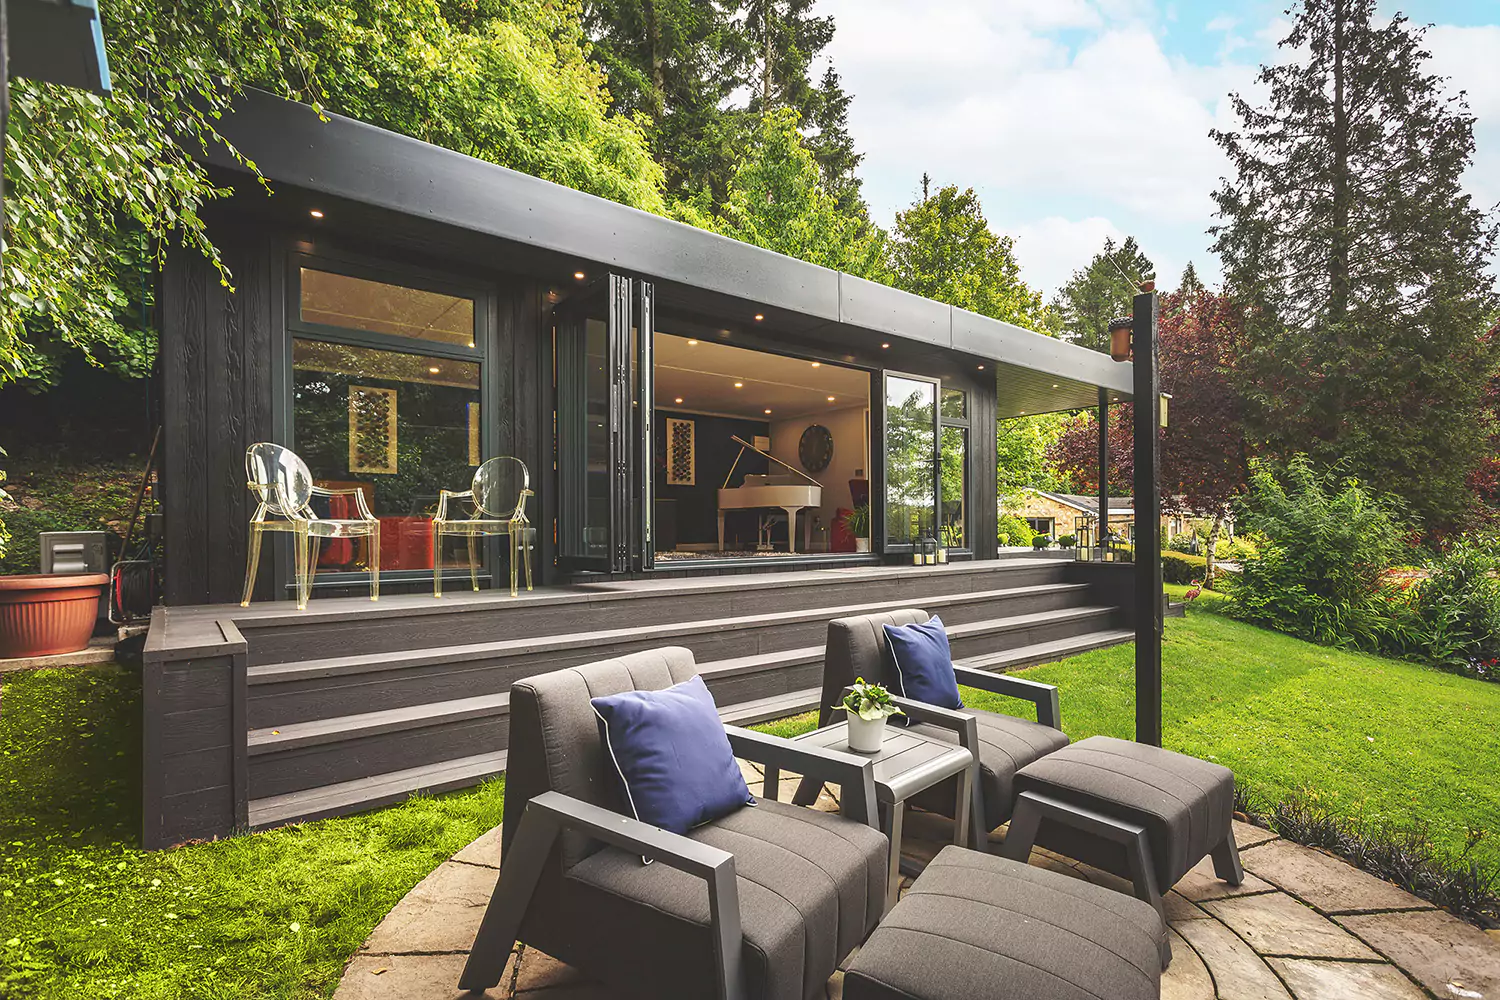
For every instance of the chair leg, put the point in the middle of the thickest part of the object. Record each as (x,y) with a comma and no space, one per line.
(473,565)
(526,554)
(252,562)
(437,562)
(807,792)
(1226,859)
(300,561)
(313,544)
(375,564)
(1021,835)
(515,559)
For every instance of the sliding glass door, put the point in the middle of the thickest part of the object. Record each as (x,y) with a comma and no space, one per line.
(603,425)
(911,459)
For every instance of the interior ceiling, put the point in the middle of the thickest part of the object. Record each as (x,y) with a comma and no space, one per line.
(703,375)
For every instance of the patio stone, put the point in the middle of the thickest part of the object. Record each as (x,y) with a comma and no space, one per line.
(1437,948)
(1330,884)
(1237,971)
(1187,977)
(485,850)
(541,971)
(440,915)
(1248,834)
(1315,979)
(1179,909)
(1276,924)
(1200,884)
(408,977)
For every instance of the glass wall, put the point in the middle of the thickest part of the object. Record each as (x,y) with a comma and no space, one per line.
(910,458)
(388,404)
(954,458)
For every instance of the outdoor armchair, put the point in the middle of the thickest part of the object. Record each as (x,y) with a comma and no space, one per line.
(763,903)
(1001,744)
(498,495)
(284,486)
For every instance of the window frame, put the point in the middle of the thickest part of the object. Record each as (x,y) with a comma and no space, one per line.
(886,545)
(964,423)
(295,328)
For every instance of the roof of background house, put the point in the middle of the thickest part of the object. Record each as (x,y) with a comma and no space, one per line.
(1090,505)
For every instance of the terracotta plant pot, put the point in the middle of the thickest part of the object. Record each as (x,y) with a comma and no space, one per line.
(46,615)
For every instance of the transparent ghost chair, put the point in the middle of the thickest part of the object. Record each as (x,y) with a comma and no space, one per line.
(498,497)
(284,486)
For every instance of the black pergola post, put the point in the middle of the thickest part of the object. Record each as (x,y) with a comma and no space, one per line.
(1101,523)
(1147,503)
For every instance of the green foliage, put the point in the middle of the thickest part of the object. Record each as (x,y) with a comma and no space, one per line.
(1319,575)
(1100,292)
(1067,541)
(50,495)
(1022,446)
(777,200)
(1348,234)
(942,248)
(96,188)
(858,521)
(1011,530)
(1458,610)
(1039,542)
(869,701)
(1182,567)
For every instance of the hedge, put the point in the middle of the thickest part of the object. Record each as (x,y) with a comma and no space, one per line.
(1181,567)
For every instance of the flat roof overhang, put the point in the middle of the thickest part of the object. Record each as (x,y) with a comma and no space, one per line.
(338,157)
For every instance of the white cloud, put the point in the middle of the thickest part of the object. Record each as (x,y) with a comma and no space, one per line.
(1051,249)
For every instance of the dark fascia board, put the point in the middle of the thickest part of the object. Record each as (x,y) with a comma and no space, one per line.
(58,41)
(1015,345)
(292,144)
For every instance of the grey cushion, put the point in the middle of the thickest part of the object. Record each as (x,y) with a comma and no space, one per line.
(856,648)
(976,925)
(1185,804)
(811,886)
(1006,744)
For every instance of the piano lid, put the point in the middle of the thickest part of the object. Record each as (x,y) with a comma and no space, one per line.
(746,444)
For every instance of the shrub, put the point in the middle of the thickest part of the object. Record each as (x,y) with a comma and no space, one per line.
(1238,550)
(1180,567)
(1184,542)
(1014,531)
(1067,541)
(1040,542)
(1455,622)
(1327,542)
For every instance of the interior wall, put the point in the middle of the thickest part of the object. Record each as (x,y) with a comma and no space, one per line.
(850,457)
(695,509)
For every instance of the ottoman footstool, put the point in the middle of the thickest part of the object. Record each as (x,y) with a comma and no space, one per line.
(1136,811)
(976,925)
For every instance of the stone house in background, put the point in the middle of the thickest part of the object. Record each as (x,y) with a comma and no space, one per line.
(1055,514)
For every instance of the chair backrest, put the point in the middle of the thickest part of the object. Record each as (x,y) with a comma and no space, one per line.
(270,465)
(554,733)
(501,486)
(856,648)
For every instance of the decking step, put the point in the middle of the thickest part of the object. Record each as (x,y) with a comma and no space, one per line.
(775,707)
(346,727)
(375,791)
(1047,652)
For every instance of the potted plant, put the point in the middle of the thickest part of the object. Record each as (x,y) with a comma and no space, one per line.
(43,615)
(858,523)
(867,706)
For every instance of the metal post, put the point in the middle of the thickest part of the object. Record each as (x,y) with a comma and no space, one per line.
(4,112)
(1101,523)
(1147,504)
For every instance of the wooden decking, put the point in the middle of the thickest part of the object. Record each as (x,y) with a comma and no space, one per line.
(264,715)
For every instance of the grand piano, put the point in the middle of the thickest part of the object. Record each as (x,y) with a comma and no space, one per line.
(768,491)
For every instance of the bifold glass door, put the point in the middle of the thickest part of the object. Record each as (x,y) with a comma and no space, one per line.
(911,459)
(603,426)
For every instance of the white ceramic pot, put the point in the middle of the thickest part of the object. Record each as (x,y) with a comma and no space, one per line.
(861,545)
(866,735)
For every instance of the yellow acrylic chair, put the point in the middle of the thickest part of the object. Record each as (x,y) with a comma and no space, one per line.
(498,496)
(284,486)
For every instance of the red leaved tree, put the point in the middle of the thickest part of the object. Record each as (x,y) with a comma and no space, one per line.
(1203,461)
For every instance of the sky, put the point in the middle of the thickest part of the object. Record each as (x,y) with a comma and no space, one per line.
(1080,119)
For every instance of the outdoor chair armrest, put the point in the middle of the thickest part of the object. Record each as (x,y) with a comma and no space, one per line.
(855,775)
(444,496)
(543,821)
(354,491)
(1043,696)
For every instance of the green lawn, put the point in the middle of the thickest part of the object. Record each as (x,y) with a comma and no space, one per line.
(84,913)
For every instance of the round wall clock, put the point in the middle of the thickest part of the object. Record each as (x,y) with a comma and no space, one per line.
(815,450)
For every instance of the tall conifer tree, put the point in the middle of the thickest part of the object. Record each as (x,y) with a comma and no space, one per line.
(1348,237)
(1098,293)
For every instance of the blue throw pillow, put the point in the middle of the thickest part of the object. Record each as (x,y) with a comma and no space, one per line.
(672,758)
(923,663)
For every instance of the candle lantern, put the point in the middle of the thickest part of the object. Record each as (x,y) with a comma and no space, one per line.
(1119,338)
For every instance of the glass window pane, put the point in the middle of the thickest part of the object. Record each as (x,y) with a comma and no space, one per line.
(955,458)
(358,304)
(398,427)
(955,404)
(910,479)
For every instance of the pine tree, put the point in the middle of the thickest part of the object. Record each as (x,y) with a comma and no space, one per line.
(1360,261)
(1190,285)
(1098,293)
(676,62)
(832,145)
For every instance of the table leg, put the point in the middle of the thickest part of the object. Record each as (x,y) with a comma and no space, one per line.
(791,530)
(721,531)
(891,820)
(962,807)
(771,788)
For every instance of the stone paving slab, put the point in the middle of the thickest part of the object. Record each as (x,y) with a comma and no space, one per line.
(1277,924)
(1248,835)
(1187,977)
(1200,884)
(1238,972)
(485,850)
(441,914)
(1451,958)
(1315,979)
(1330,884)
(430,977)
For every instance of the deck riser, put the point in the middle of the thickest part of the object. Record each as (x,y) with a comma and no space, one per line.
(368,632)
(293,701)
